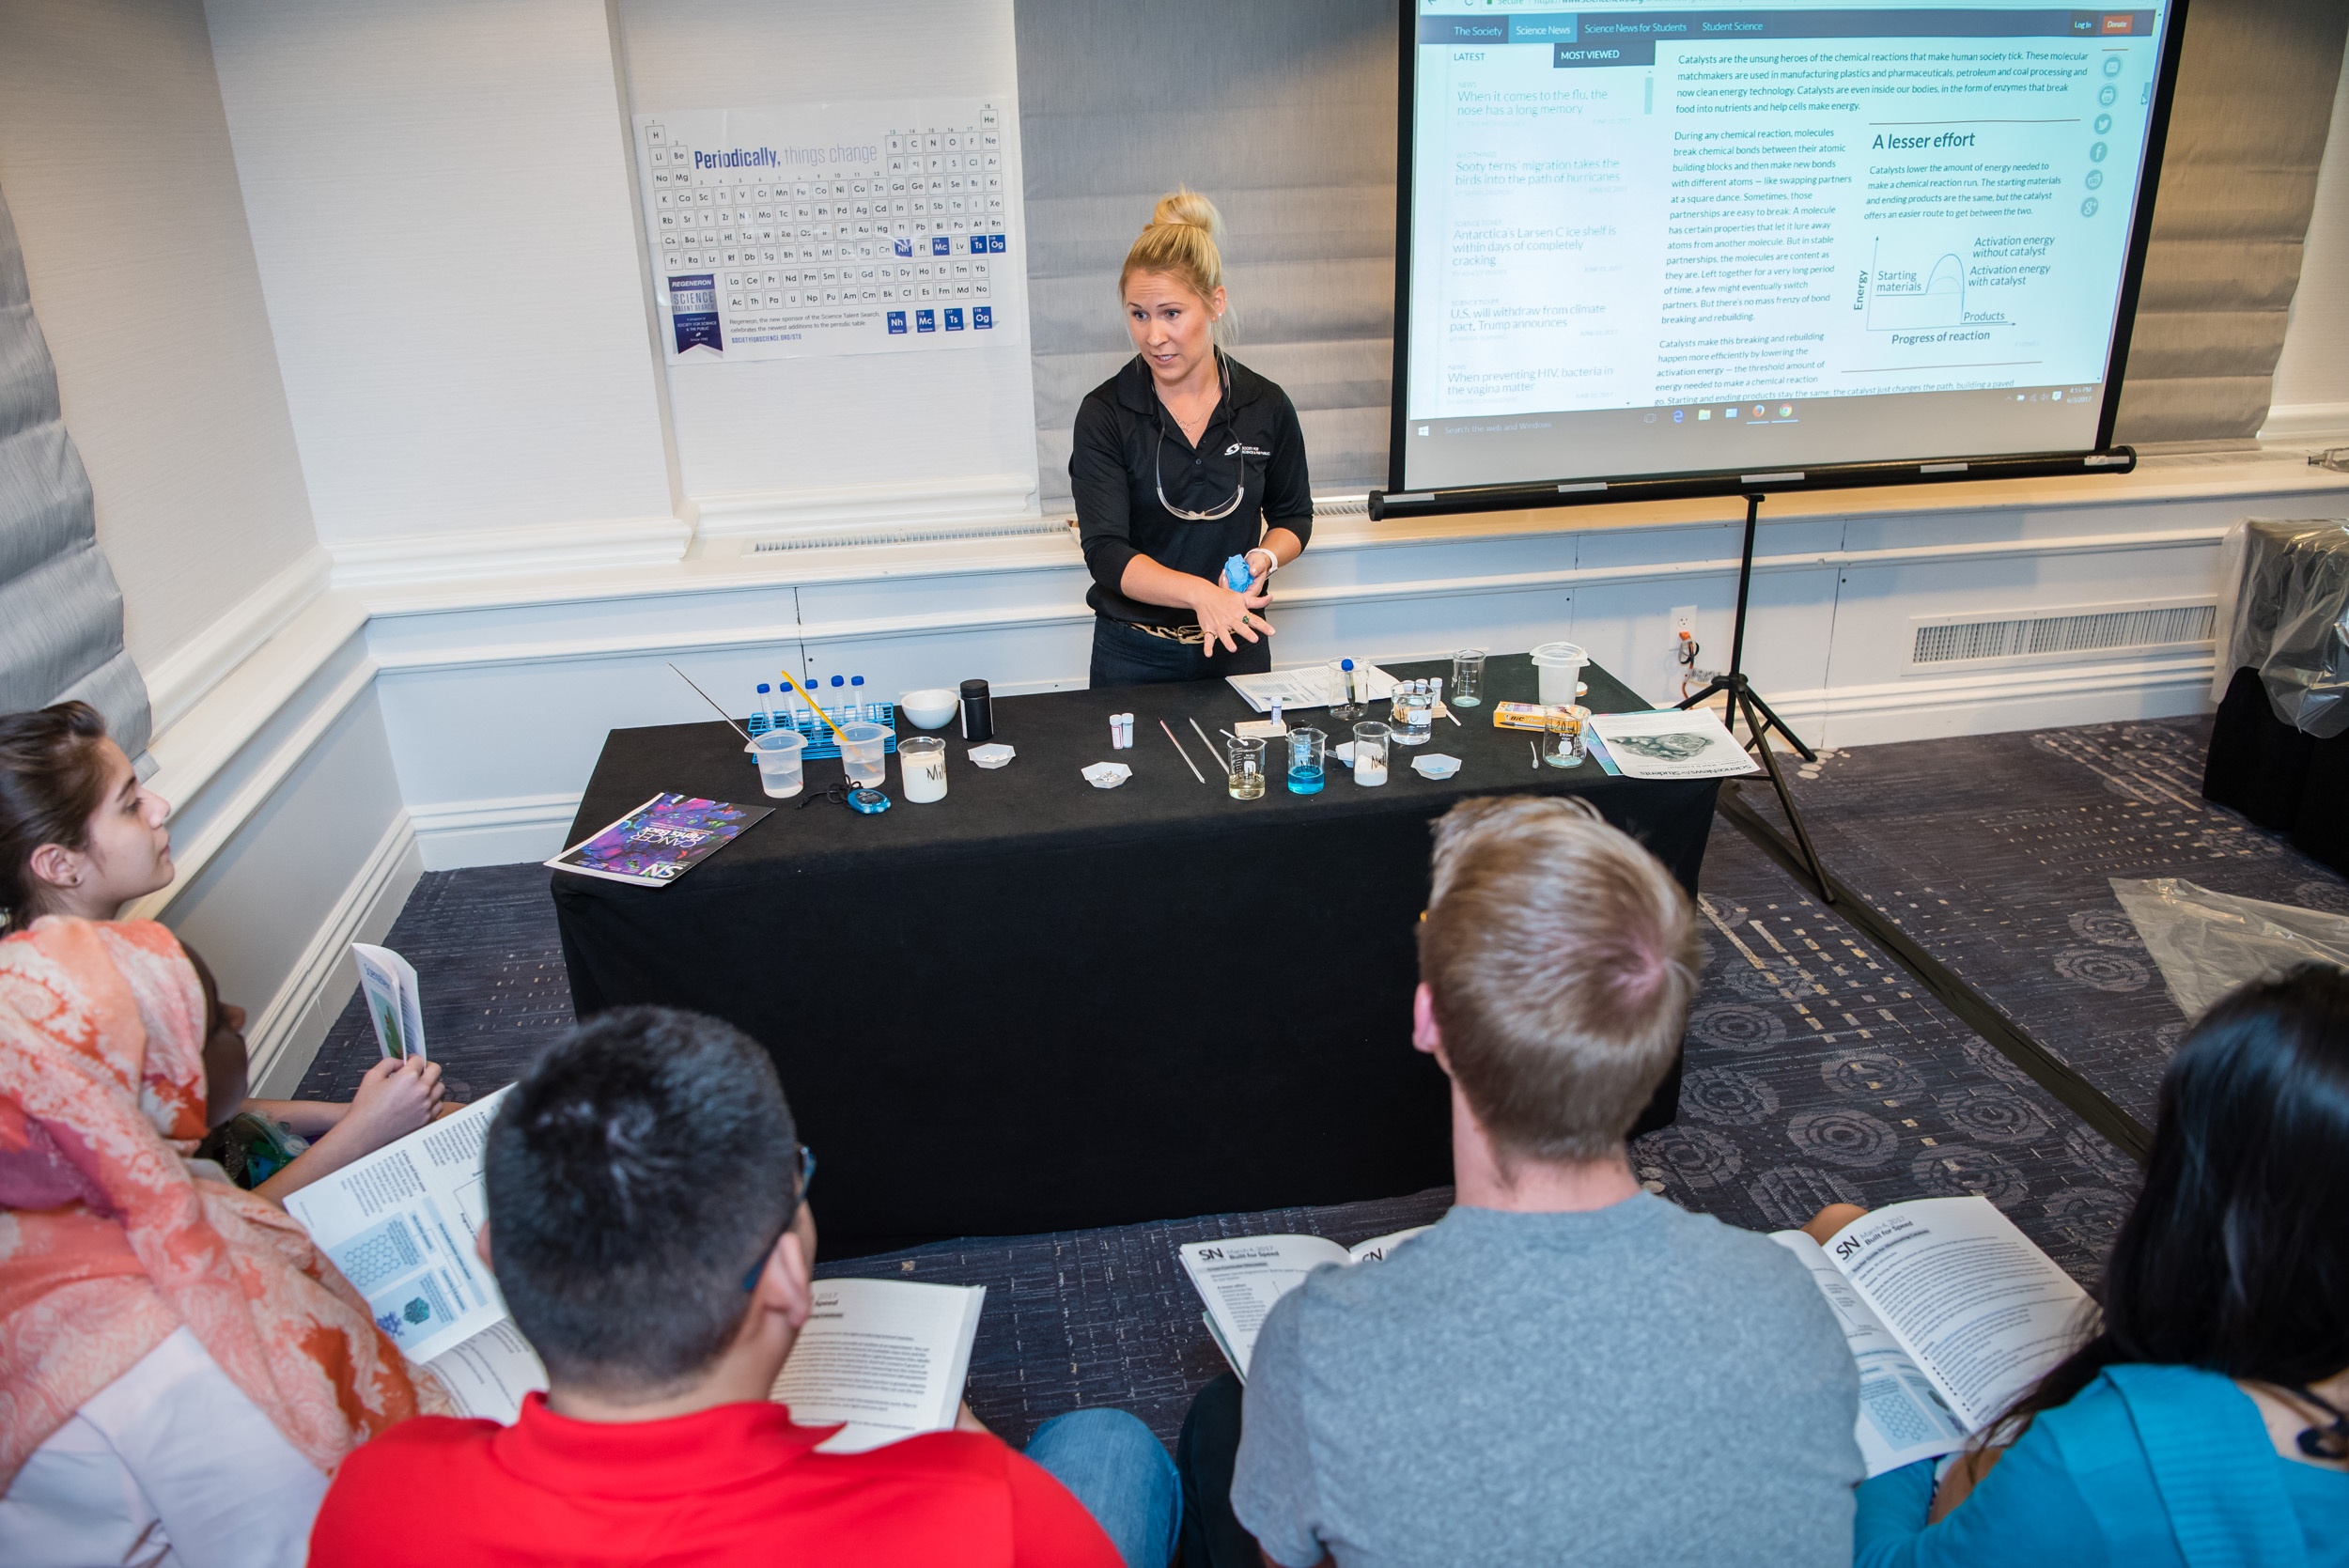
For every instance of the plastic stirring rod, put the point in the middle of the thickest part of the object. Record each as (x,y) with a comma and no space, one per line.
(1185,756)
(1203,739)
(711,701)
(811,701)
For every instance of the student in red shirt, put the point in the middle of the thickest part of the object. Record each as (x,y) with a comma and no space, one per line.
(649,1227)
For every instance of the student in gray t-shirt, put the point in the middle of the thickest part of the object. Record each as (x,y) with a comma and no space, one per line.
(1566,1369)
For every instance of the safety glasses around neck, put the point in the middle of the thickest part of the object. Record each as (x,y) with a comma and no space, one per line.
(1157,457)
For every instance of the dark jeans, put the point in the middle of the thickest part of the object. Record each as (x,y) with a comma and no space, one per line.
(1124,657)
(1205,1456)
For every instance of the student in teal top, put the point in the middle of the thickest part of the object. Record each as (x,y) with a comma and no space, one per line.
(2204,1424)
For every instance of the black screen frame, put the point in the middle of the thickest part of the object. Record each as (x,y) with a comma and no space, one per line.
(2104,457)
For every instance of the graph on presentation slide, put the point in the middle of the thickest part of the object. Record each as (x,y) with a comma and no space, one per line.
(1664,212)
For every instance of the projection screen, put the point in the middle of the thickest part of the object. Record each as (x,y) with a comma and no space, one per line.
(1659,242)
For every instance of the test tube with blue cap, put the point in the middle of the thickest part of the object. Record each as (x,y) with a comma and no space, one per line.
(840,714)
(765,704)
(856,698)
(1345,707)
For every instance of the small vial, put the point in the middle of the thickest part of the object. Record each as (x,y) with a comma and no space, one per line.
(840,714)
(857,708)
(765,704)
(1276,711)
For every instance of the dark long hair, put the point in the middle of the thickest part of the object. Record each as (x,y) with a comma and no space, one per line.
(51,782)
(2236,1256)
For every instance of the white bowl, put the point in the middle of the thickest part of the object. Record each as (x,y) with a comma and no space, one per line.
(928,708)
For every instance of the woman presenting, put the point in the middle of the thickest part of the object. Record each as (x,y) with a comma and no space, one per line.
(1183,459)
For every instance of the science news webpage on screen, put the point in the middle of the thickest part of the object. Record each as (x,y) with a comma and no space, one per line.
(1656,238)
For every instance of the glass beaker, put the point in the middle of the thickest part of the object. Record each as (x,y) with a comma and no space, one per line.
(1308,750)
(1565,744)
(1244,777)
(1344,687)
(865,753)
(1414,713)
(922,766)
(1370,753)
(779,771)
(1468,679)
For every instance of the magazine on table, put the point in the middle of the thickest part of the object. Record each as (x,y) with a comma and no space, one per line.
(887,1356)
(394,1002)
(1672,743)
(1239,1280)
(660,840)
(1952,1313)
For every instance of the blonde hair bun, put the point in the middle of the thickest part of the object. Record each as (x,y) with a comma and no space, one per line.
(1180,244)
(1186,206)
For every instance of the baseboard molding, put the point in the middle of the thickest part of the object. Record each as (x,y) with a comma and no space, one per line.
(285,1037)
(183,677)
(1006,498)
(535,549)
(454,834)
(2164,685)
(2310,423)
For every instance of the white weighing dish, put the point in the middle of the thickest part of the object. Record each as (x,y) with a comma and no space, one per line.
(930,708)
(1435,765)
(993,754)
(1106,775)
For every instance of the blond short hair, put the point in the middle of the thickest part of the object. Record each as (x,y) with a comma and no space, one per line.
(1180,241)
(1560,956)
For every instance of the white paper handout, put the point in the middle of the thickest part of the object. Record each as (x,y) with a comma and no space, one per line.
(1672,743)
(1241,1280)
(1951,1312)
(400,1225)
(393,1000)
(1309,686)
(887,1356)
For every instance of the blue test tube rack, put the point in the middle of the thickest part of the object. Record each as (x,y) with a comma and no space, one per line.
(820,741)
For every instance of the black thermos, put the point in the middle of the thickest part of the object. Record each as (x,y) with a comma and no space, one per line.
(978,711)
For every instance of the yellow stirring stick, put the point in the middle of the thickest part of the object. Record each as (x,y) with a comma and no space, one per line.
(813,704)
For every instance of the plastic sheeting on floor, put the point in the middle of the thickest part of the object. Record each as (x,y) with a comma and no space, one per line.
(2207,943)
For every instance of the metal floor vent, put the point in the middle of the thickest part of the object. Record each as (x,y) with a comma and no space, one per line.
(2064,634)
(909,536)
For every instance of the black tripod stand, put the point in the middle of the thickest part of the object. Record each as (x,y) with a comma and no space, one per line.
(1760,721)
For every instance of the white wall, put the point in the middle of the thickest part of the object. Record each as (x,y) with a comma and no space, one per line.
(862,433)
(439,195)
(2311,395)
(116,160)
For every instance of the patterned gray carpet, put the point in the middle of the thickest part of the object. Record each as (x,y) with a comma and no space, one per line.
(1817,1072)
(1994,853)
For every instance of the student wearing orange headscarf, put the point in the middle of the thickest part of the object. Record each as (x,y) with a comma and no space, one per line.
(180,1371)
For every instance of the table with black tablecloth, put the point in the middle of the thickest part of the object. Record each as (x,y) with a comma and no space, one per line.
(1037,1004)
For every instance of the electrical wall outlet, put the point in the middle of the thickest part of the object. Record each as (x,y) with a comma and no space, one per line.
(1684,619)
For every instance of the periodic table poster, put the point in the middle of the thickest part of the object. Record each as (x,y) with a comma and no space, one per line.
(832,229)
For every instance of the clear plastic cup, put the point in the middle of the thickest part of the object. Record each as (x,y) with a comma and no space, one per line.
(1244,777)
(780,770)
(1558,668)
(865,753)
(1370,753)
(922,767)
(1468,679)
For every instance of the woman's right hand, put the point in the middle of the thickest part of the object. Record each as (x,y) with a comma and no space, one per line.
(393,1100)
(1225,615)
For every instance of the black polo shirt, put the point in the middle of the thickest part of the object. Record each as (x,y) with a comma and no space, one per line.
(1128,445)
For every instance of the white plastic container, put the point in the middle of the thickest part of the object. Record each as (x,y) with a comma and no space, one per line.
(1559,665)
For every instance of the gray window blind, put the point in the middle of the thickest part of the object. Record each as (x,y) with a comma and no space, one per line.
(2238,181)
(60,609)
(1284,115)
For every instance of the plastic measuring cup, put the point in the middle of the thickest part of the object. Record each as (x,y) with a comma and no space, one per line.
(864,752)
(779,771)
(1559,665)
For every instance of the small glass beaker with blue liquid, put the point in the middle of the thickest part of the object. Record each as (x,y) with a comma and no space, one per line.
(1308,756)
